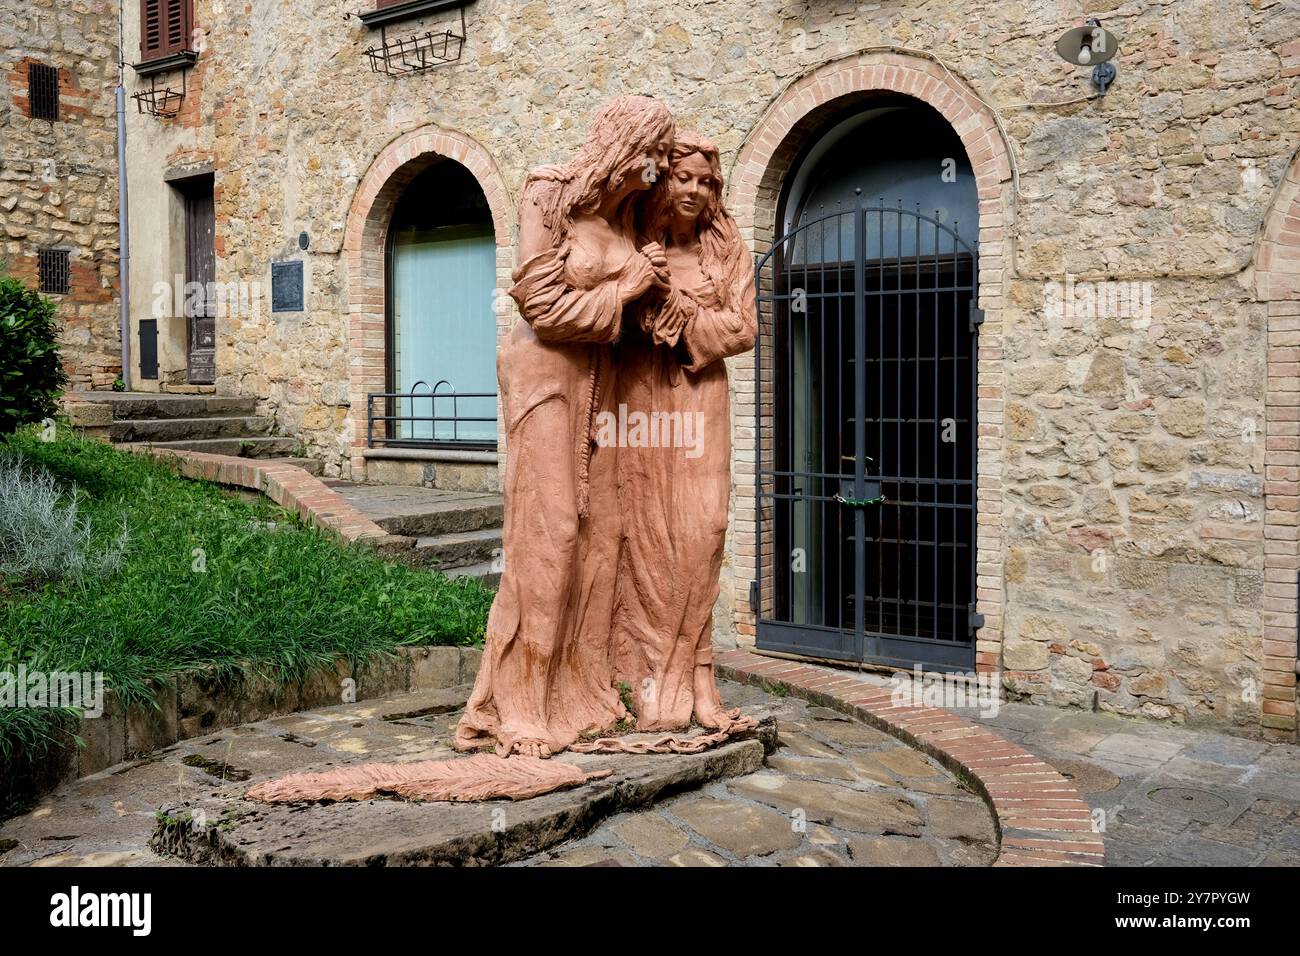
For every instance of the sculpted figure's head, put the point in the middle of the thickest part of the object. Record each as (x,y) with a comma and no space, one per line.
(689,201)
(626,151)
(693,191)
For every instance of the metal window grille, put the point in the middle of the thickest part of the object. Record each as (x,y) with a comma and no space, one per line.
(43,90)
(53,264)
(395,418)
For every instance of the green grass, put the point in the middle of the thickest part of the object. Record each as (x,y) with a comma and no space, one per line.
(280,601)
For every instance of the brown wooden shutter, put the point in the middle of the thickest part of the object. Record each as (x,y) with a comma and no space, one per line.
(151,40)
(389,3)
(178,25)
(165,27)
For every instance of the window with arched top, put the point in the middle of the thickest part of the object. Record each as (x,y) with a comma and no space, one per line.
(894,156)
(441,321)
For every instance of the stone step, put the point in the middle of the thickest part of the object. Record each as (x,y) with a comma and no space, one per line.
(422,512)
(484,571)
(449,518)
(187,429)
(136,405)
(260,446)
(459,549)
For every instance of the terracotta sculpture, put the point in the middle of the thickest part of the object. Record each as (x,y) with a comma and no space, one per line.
(675,498)
(546,672)
(633,286)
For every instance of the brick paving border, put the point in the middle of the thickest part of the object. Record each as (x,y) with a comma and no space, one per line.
(290,487)
(1041,820)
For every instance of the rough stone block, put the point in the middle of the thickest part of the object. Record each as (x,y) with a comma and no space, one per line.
(89,414)
(433,667)
(1024,655)
(104,736)
(151,728)
(470,660)
(384,675)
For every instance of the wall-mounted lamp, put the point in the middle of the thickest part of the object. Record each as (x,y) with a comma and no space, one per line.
(1090,45)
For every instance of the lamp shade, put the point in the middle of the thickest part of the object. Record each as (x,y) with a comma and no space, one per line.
(1087,45)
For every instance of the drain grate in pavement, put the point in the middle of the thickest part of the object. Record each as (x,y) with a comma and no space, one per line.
(1189,800)
(1086,777)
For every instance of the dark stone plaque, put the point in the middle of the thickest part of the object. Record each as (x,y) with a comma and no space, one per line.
(286,286)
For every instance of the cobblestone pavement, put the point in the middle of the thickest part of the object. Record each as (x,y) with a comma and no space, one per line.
(836,793)
(1167,795)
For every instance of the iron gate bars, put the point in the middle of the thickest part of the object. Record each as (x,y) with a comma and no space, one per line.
(866,440)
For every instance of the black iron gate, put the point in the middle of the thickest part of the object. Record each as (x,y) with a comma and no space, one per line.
(866,440)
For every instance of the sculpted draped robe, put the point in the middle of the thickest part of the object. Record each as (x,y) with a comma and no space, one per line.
(546,673)
(675,500)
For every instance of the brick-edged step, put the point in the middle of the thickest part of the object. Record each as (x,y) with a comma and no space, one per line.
(310,465)
(186,429)
(135,405)
(255,446)
(459,549)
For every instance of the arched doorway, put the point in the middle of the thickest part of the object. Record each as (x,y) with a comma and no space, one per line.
(441,325)
(867,494)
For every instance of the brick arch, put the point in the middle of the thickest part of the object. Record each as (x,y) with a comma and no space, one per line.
(799,114)
(794,119)
(1277,283)
(364,245)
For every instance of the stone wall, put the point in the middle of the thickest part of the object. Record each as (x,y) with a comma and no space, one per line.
(58,180)
(1122,532)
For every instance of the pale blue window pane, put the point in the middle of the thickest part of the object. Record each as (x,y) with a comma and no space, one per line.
(445,330)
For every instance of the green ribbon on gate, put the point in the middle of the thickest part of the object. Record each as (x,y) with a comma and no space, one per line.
(859,502)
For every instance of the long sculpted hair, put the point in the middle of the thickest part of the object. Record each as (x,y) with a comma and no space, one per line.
(619,144)
(723,254)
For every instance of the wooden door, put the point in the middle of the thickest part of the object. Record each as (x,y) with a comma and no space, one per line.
(200,267)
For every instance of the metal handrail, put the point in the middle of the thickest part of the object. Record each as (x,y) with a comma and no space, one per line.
(392,400)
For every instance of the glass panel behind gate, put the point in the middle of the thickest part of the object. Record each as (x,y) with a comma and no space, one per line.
(917,546)
(812,348)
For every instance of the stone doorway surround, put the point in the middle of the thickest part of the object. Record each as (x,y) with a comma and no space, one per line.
(794,119)
(364,245)
(1277,283)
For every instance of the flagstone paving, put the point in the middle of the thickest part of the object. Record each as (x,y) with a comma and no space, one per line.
(836,793)
(833,793)
(1164,795)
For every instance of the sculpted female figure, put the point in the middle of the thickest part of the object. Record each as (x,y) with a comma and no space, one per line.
(546,673)
(675,498)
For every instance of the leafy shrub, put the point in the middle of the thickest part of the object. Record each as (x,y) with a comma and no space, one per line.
(31,375)
(42,533)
